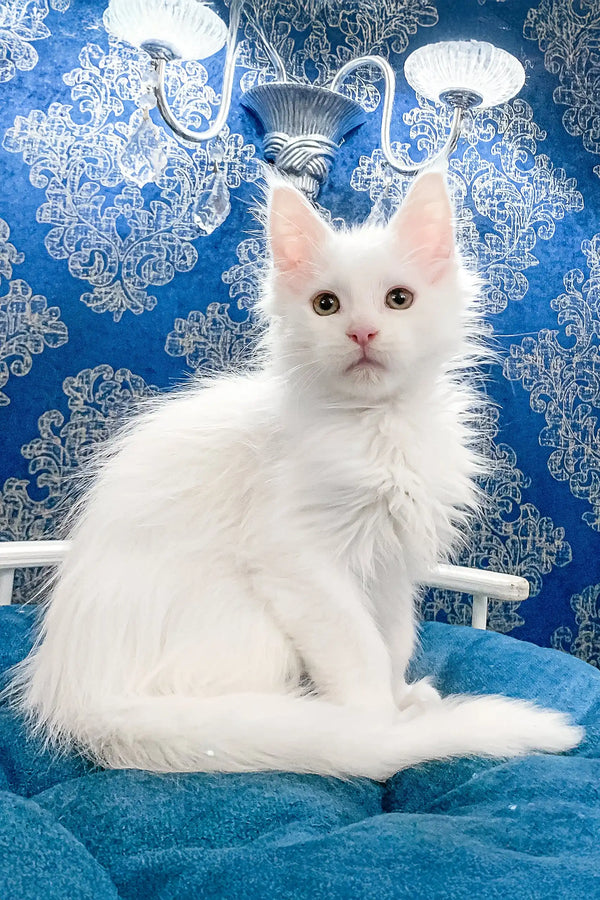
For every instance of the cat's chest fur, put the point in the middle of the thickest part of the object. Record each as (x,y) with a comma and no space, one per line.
(377,486)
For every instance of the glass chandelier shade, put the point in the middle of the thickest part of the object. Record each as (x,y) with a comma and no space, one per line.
(183,29)
(476,67)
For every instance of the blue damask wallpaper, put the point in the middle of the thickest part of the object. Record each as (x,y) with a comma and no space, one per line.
(109,290)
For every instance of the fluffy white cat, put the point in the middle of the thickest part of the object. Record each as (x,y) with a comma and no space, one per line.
(239,594)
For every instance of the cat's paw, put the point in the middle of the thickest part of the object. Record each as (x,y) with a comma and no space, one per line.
(379,704)
(419,695)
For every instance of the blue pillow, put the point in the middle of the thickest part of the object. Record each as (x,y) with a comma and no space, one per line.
(469,828)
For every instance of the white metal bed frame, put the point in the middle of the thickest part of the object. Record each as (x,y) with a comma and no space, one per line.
(481,584)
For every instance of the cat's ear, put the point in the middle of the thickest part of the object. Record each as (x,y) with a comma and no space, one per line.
(423,226)
(297,234)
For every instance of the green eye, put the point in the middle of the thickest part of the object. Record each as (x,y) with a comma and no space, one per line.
(325,303)
(399,298)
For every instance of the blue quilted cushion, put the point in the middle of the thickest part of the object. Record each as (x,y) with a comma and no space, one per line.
(526,828)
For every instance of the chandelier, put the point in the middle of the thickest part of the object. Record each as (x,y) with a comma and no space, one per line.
(304,124)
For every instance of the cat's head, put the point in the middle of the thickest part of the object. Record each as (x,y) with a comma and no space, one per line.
(366,313)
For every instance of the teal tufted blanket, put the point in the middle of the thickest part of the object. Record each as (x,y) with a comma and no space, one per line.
(477,829)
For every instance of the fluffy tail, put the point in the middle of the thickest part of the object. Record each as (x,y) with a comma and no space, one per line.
(258,732)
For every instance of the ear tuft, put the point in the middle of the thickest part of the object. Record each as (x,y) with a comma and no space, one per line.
(297,233)
(423,225)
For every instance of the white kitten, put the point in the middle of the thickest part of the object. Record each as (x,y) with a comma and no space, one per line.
(239,595)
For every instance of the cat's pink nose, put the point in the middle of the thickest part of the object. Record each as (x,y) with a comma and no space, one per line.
(362,336)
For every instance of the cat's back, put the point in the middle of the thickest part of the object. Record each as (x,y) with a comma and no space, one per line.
(184,448)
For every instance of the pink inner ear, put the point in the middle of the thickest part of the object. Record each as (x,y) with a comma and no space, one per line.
(423,227)
(436,247)
(296,232)
(295,252)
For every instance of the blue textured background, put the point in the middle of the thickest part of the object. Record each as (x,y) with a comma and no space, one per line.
(108,290)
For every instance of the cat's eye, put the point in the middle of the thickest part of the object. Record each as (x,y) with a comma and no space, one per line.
(399,298)
(325,303)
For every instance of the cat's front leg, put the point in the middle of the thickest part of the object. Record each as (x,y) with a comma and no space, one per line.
(394,601)
(327,617)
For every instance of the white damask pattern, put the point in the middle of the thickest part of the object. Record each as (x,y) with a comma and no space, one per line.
(212,341)
(21,23)
(124,247)
(568,33)
(511,535)
(98,400)
(586,643)
(243,277)
(522,196)
(9,255)
(301,32)
(27,324)
(563,376)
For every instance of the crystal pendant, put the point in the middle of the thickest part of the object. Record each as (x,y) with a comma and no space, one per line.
(386,203)
(147,99)
(143,158)
(212,206)
(383,209)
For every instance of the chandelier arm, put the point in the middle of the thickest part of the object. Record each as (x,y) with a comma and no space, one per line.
(161,98)
(386,116)
(274,57)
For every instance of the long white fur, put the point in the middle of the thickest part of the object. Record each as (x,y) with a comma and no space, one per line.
(240,590)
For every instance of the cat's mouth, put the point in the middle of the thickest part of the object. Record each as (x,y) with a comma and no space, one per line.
(366,363)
